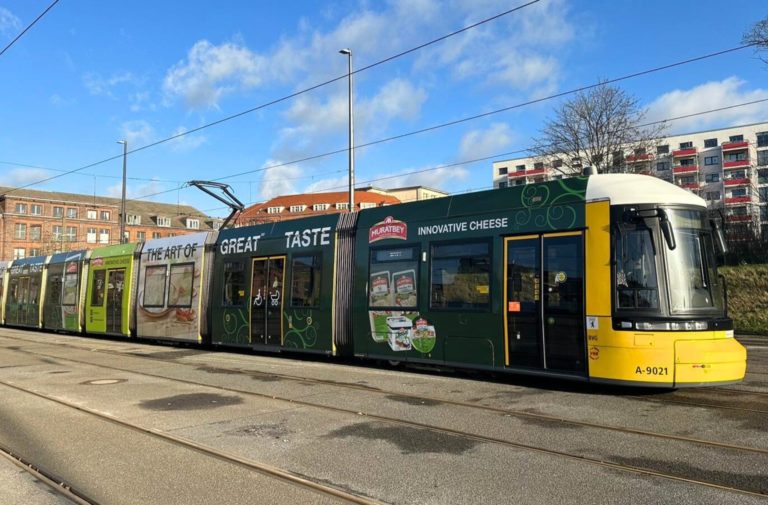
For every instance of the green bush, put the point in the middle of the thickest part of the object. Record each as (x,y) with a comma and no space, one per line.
(748,298)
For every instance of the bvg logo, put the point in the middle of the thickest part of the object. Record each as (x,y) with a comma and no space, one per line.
(389,228)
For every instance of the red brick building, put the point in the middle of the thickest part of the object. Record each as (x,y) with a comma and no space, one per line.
(35,223)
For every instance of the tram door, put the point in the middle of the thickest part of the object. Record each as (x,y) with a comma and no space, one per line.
(545,302)
(267,301)
(115,286)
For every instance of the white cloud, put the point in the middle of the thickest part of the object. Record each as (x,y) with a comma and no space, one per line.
(333,184)
(436,178)
(23,176)
(210,72)
(278,180)
(98,85)
(143,191)
(186,142)
(708,96)
(138,133)
(481,143)
(10,25)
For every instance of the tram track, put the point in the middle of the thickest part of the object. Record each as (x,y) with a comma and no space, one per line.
(599,461)
(54,482)
(411,396)
(227,457)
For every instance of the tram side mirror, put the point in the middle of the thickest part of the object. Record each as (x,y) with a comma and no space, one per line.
(666,230)
(720,243)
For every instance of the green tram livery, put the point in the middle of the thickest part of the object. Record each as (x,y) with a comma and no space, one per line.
(606,278)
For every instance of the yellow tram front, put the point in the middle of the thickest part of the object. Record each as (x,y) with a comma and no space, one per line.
(668,323)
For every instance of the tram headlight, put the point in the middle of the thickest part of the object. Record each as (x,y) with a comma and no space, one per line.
(671,326)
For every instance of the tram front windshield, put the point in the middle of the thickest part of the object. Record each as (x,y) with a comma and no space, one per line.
(688,269)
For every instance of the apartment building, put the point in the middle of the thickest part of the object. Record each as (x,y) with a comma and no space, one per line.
(728,167)
(36,223)
(286,207)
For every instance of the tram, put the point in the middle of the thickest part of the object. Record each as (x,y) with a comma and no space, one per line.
(606,278)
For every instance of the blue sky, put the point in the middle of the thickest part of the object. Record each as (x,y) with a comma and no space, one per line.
(93,72)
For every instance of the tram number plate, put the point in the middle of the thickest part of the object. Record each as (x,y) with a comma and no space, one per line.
(652,370)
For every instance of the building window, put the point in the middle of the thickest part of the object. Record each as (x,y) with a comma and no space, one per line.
(367,205)
(461,276)
(21,208)
(661,166)
(342,206)
(762,139)
(90,236)
(216,225)
(71,234)
(104,236)
(711,177)
(503,184)
(91,214)
(193,224)
(688,162)
(141,236)
(35,252)
(538,165)
(57,231)
(35,232)
(104,215)
(712,160)
(520,168)
(36,210)
(20,231)
(738,192)
(712,195)
(762,158)
(502,170)
(165,222)
(19,253)
(662,149)
(133,219)
(71,213)
(321,206)
(736,156)
(519,182)
(736,138)
(155,234)
(557,163)
(710,143)
(58,212)
(686,145)
(298,208)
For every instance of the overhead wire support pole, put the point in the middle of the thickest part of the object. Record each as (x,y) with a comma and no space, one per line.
(229,199)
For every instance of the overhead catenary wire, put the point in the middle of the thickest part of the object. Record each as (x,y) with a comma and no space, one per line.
(281,99)
(25,30)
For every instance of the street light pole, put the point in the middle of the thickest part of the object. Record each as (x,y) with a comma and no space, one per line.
(348,52)
(122,202)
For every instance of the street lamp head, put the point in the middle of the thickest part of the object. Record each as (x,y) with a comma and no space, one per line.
(122,142)
(348,52)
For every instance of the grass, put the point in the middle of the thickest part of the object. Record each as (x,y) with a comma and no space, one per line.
(748,298)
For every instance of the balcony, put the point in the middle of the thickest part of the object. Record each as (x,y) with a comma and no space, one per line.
(737,182)
(732,146)
(635,158)
(735,164)
(684,169)
(735,200)
(681,153)
(690,185)
(739,219)
(528,173)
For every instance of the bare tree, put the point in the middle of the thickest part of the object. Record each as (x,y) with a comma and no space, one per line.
(599,128)
(758,35)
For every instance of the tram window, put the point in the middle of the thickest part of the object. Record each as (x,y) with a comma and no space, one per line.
(181,285)
(34,289)
(154,286)
(234,284)
(70,289)
(13,291)
(394,278)
(305,281)
(54,291)
(97,288)
(461,276)
(636,281)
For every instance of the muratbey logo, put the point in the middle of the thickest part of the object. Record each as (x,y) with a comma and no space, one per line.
(389,228)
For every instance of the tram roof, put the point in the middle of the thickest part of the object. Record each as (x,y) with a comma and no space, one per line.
(628,189)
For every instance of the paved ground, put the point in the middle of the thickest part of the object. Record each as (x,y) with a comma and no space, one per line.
(130,423)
